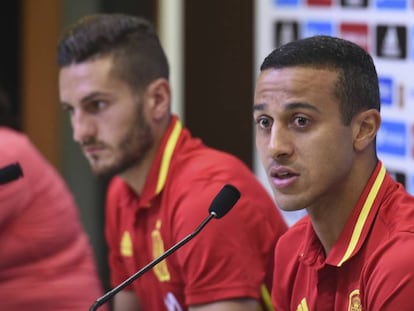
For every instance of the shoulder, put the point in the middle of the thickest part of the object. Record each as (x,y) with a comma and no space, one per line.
(202,159)
(192,197)
(40,176)
(254,214)
(200,169)
(116,190)
(15,145)
(396,213)
(393,259)
(197,174)
(290,243)
(287,257)
(387,279)
(196,170)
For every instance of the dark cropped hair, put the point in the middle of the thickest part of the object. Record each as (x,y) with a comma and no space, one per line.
(138,57)
(357,86)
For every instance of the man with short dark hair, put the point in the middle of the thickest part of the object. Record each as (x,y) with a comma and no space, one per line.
(317,114)
(114,84)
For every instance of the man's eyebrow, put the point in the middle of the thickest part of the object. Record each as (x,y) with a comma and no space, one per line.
(259,107)
(290,106)
(91,96)
(85,99)
(301,105)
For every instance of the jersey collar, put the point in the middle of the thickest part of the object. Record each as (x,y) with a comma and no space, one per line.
(356,228)
(158,173)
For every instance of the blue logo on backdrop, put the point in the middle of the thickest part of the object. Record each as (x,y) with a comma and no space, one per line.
(392,138)
(386,90)
(392,4)
(286,2)
(313,28)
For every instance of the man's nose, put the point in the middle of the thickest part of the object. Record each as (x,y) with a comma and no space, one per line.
(83,127)
(280,144)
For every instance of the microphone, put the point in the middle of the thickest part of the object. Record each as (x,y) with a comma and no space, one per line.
(224,201)
(221,204)
(10,172)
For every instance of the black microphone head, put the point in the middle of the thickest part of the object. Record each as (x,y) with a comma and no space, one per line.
(10,173)
(224,201)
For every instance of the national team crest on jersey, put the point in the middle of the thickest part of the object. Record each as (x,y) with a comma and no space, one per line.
(354,301)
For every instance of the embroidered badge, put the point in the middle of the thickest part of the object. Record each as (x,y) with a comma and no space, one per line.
(355,301)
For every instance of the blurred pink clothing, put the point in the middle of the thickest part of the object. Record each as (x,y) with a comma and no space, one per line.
(46,261)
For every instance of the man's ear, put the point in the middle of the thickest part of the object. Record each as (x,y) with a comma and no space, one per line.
(158,97)
(365,128)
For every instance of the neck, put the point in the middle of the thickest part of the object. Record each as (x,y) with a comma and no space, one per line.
(328,223)
(330,216)
(136,175)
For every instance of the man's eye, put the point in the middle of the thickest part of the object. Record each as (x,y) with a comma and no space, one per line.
(264,123)
(301,121)
(101,104)
(96,105)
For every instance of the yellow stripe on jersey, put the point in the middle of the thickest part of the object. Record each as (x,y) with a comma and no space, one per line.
(166,158)
(363,215)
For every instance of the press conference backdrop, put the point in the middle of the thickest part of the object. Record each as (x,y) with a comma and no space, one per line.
(385,28)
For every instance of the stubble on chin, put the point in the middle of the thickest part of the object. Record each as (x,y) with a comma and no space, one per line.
(107,168)
(98,169)
(129,152)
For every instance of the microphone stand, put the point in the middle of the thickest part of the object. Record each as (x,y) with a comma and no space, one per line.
(101,300)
